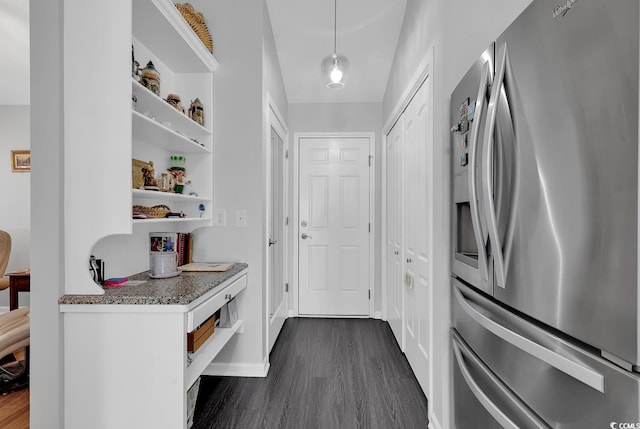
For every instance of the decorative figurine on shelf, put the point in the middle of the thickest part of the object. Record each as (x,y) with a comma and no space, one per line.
(135,67)
(180,179)
(174,100)
(150,183)
(167,182)
(196,111)
(178,172)
(151,78)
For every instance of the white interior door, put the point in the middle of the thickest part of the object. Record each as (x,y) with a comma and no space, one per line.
(395,295)
(277,295)
(333,229)
(418,143)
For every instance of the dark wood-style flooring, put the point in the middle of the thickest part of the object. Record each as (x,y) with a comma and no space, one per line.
(325,373)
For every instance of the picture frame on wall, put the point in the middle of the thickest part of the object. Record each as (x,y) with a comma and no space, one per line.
(20,161)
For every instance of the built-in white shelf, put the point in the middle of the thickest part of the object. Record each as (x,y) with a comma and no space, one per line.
(209,350)
(172,220)
(164,137)
(159,25)
(167,196)
(163,112)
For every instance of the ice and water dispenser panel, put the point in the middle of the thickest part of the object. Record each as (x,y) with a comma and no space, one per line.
(465,248)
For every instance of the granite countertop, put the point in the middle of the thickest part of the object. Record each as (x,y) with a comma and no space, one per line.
(180,290)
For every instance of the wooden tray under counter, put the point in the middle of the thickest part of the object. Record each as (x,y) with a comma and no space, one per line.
(198,336)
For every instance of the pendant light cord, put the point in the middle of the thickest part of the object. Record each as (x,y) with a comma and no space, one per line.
(335,19)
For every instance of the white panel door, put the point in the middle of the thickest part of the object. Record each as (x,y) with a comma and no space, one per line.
(395,294)
(418,143)
(333,230)
(277,295)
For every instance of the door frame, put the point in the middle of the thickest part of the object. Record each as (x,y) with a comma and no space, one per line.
(296,207)
(273,118)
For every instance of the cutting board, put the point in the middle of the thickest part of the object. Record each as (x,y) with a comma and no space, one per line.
(207,266)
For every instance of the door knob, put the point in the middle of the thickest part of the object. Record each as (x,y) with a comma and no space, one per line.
(272,242)
(304,236)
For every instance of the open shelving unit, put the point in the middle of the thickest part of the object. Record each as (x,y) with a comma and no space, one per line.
(206,353)
(159,130)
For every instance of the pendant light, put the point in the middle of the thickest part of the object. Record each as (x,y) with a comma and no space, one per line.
(335,66)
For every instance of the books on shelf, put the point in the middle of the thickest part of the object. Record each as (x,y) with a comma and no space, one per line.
(185,248)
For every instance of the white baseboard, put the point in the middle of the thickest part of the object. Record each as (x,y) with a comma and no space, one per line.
(433,421)
(229,369)
(4,310)
(375,315)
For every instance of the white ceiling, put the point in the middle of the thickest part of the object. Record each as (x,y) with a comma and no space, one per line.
(14,51)
(303,29)
(367,34)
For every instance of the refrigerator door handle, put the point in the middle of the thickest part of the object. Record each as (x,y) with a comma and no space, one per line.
(572,368)
(475,210)
(462,351)
(487,161)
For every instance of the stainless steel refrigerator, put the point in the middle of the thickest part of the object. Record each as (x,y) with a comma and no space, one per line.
(545,222)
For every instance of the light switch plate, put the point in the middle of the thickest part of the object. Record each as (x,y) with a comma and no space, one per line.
(220,217)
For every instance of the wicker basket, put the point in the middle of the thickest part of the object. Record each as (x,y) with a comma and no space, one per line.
(158,211)
(197,24)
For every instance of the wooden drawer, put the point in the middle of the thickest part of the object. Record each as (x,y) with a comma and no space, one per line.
(199,335)
(202,312)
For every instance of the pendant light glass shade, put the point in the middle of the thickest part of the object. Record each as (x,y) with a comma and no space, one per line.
(335,68)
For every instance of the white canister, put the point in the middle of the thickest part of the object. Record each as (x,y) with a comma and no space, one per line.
(163,264)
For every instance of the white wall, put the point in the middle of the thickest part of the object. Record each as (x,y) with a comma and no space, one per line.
(14,48)
(273,83)
(15,203)
(248,68)
(453,28)
(344,117)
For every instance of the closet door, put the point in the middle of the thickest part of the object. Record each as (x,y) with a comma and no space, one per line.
(417,237)
(395,295)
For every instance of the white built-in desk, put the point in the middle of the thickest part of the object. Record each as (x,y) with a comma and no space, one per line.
(126,363)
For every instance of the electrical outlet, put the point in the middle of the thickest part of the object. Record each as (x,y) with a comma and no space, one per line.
(241,218)
(220,217)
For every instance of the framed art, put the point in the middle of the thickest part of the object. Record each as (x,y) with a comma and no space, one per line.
(20,161)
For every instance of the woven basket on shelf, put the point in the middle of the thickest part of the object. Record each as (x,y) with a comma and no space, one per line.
(197,24)
(158,211)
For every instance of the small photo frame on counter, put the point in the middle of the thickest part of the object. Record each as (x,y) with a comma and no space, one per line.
(162,241)
(20,161)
